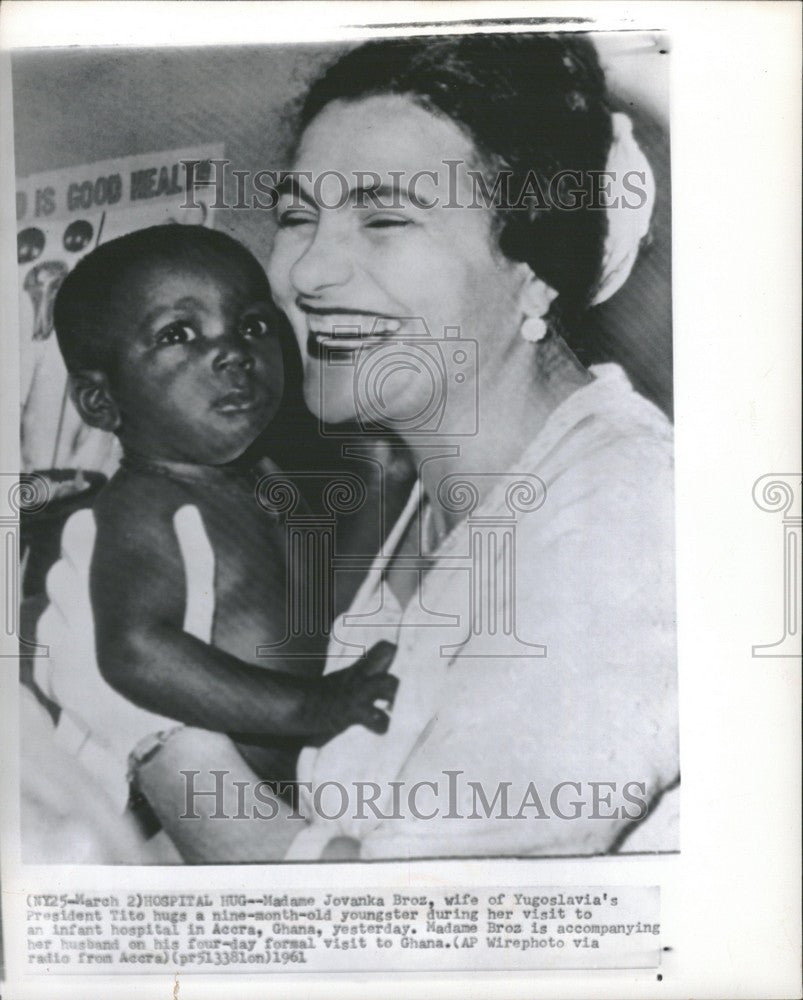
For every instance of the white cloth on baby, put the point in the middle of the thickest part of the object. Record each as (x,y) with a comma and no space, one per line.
(97,725)
(594,583)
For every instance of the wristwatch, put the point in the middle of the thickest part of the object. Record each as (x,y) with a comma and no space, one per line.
(146,750)
(138,806)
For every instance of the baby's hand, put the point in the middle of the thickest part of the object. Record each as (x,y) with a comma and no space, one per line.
(347,697)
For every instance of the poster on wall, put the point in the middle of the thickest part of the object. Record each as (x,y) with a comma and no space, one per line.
(61,216)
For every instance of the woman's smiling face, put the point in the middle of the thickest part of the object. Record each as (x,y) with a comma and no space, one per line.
(391,267)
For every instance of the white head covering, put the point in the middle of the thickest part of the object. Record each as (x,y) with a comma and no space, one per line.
(629,198)
(629,208)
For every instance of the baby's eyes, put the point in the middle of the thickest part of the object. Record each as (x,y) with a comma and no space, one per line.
(176,333)
(181,332)
(254,326)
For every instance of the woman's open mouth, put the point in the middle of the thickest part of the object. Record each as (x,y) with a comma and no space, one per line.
(347,331)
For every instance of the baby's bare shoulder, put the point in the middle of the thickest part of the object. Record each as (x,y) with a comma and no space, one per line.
(137,510)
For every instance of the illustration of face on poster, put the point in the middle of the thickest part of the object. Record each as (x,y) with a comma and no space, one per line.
(61,216)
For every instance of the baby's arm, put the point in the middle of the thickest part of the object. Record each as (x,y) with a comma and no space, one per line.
(138,598)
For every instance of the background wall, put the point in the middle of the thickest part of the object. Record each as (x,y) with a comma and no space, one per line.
(73,107)
(77,106)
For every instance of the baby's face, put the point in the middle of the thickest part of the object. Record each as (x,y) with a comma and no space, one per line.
(198,372)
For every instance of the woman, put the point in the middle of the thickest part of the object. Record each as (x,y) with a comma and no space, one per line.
(529,582)
(359,278)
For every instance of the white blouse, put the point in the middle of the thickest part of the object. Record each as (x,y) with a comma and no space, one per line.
(536,658)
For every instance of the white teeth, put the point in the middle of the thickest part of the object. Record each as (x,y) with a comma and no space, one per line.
(350,327)
(346,344)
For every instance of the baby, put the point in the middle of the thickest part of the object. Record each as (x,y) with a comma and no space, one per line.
(172,342)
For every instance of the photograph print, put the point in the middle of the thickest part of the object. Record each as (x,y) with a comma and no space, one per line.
(347,496)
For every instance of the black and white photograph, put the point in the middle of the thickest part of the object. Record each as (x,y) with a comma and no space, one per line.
(347,425)
(349,524)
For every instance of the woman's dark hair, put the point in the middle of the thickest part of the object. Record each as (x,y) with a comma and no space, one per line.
(534,105)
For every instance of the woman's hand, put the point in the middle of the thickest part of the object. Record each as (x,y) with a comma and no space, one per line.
(347,697)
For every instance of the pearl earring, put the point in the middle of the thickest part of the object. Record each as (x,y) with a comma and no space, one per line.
(534,328)
(538,298)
